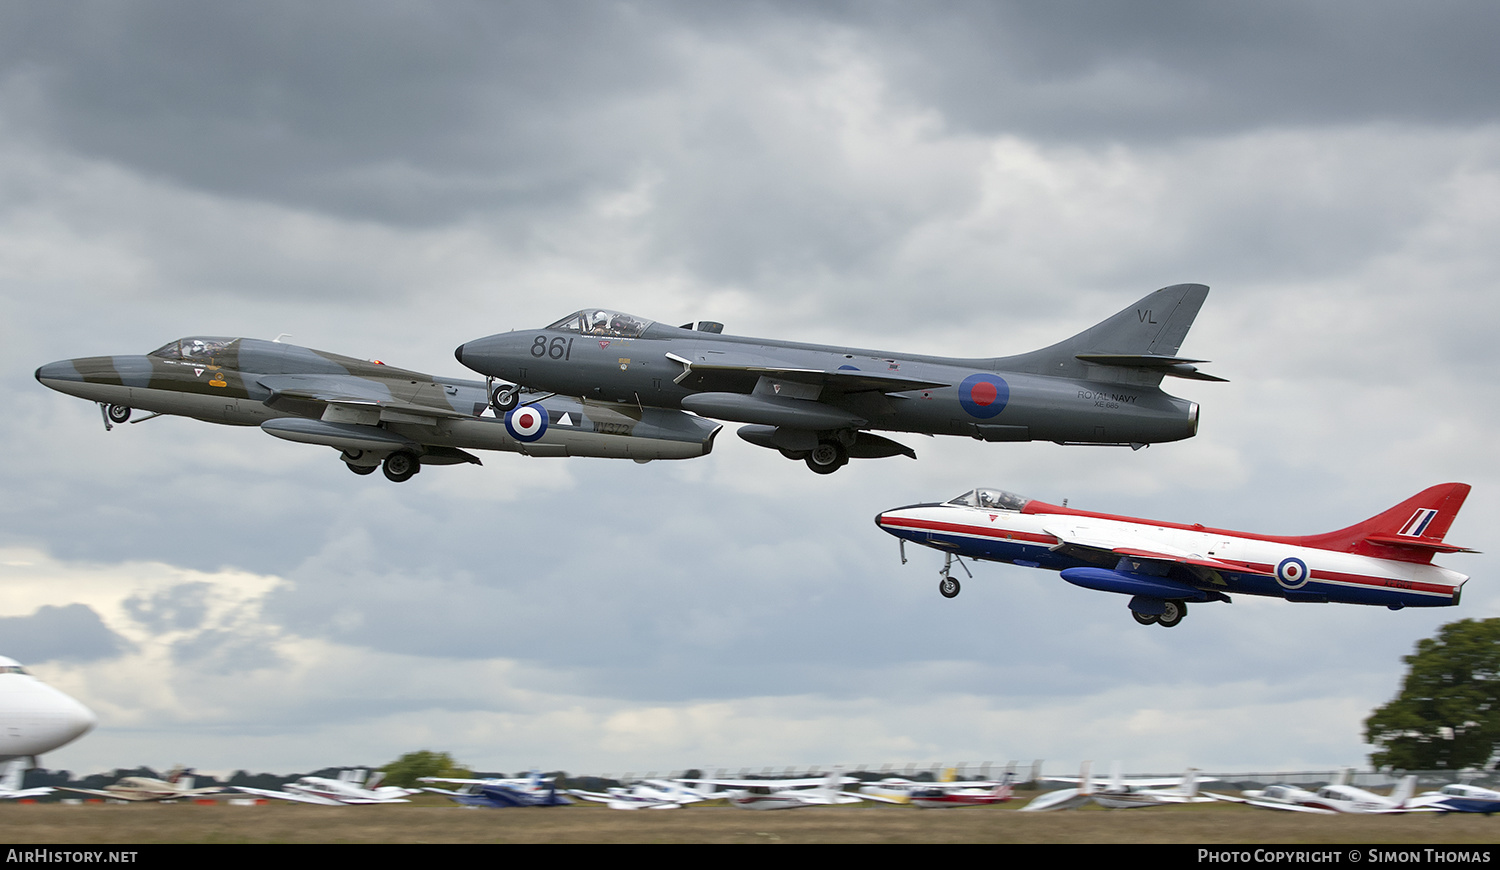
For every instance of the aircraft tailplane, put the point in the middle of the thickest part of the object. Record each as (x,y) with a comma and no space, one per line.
(1137,345)
(1412,531)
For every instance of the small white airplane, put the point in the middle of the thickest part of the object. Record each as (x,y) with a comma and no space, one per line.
(34,717)
(177,785)
(1122,793)
(351,788)
(950,792)
(787,794)
(1336,797)
(944,796)
(1279,797)
(501,792)
(651,794)
(1065,798)
(1460,797)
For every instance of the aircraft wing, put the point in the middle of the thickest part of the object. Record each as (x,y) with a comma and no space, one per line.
(1102,786)
(104,794)
(490,781)
(1079,537)
(725,371)
(347,399)
(624,802)
(1272,805)
(770,783)
(289,796)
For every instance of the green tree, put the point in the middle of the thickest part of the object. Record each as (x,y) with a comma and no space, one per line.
(405,770)
(1448,713)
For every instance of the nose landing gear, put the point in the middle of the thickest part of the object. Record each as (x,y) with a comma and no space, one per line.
(948,585)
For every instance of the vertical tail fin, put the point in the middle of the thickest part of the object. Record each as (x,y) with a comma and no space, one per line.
(1403,792)
(1189,785)
(1137,345)
(1412,531)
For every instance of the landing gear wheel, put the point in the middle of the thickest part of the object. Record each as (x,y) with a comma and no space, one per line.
(948,587)
(1145,618)
(505,398)
(1174,613)
(360,469)
(794,455)
(118,413)
(827,457)
(401,465)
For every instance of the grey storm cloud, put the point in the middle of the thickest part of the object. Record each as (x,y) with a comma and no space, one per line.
(72,633)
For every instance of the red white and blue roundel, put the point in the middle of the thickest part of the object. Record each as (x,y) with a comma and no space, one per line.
(526,423)
(983,396)
(1292,573)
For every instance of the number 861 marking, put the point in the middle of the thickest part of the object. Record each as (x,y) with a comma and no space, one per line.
(559,348)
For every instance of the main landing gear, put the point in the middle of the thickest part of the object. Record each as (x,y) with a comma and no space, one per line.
(829,456)
(948,585)
(401,466)
(352,462)
(1172,613)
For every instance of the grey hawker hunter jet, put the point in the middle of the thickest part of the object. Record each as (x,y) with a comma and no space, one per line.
(374,414)
(818,403)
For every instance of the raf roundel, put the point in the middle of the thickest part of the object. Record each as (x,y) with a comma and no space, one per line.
(983,396)
(1291,573)
(527,423)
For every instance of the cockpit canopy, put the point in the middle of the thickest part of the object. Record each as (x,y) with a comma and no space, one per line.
(197,349)
(602,321)
(991,499)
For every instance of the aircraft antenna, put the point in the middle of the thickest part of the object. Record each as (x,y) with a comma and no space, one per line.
(277,339)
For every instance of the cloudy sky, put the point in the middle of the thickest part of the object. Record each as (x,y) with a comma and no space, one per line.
(968,179)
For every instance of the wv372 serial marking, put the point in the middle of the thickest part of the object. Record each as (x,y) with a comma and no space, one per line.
(375,415)
(819,403)
(1385,560)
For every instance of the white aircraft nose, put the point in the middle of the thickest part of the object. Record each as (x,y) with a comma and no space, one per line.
(77,722)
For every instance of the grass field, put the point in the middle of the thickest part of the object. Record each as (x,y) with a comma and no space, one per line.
(1203,824)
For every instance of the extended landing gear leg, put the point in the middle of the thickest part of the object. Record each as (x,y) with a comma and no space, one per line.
(114,414)
(948,584)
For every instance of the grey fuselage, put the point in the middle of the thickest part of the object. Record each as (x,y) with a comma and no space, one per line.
(1071,402)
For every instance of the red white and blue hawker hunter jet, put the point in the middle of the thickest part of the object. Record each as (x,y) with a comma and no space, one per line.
(1385,560)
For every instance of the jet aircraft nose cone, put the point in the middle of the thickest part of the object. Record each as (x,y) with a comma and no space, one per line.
(58,371)
(490,355)
(79,722)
